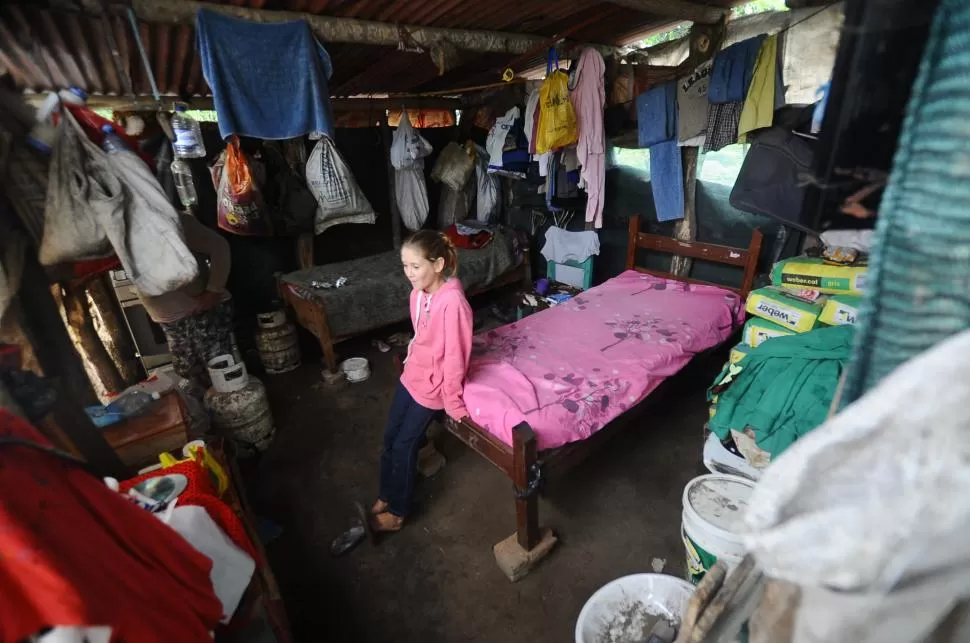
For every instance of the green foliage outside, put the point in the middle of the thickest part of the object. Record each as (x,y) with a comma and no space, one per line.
(681,30)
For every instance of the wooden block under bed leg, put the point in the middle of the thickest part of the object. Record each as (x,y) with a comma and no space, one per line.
(520,552)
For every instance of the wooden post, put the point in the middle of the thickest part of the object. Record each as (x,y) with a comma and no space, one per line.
(686,228)
(75,300)
(114,332)
(60,363)
(524,452)
(395,214)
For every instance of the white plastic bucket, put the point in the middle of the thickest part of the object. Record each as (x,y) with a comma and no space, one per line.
(714,508)
(356,369)
(617,605)
(226,375)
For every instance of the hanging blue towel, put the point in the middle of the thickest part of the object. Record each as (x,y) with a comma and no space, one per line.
(657,114)
(657,129)
(667,180)
(268,80)
(732,71)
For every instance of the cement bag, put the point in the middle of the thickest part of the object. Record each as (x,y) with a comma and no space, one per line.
(557,119)
(757,331)
(454,167)
(407,145)
(868,513)
(79,171)
(777,305)
(339,198)
(488,201)
(815,273)
(145,230)
(841,309)
(411,196)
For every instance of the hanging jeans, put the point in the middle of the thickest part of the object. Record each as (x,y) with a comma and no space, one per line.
(403,437)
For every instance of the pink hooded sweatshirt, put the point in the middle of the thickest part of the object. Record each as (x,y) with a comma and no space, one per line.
(434,373)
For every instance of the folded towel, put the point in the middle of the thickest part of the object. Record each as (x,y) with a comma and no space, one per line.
(732,71)
(268,80)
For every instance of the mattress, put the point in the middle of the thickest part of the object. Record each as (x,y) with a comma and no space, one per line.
(376,293)
(571,369)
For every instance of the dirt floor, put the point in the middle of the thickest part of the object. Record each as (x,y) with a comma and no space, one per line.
(437,580)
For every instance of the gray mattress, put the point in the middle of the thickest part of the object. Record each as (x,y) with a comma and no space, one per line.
(376,293)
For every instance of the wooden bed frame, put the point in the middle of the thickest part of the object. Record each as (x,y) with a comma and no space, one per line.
(312,315)
(526,466)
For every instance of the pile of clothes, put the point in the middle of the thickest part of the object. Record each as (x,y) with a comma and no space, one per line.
(779,383)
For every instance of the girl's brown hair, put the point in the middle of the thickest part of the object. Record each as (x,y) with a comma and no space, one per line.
(435,245)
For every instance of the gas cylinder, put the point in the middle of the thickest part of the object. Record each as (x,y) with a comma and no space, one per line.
(277,342)
(238,404)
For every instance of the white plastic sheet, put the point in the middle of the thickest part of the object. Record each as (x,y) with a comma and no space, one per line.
(868,514)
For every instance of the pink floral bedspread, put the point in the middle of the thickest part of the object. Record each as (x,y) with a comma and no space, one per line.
(569,370)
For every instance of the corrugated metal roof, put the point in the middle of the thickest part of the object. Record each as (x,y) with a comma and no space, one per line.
(45,48)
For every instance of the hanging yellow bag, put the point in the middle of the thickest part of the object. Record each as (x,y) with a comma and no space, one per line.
(557,119)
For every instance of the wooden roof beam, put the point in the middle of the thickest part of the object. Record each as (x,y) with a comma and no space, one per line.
(680,9)
(331,29)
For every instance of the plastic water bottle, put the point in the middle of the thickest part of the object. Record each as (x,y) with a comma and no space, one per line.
(182,175)
(132,403)
(112,142)
(188,135)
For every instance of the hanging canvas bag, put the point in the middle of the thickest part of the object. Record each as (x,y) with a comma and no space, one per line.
(408,149)
(77,168)
(557,119)
(339,198)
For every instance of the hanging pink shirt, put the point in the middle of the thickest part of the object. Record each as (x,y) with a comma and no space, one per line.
(588,99)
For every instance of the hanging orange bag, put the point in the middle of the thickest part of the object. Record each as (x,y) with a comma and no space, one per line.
(240,208)
(557,120)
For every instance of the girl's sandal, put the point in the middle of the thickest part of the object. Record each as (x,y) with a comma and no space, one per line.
(386,522)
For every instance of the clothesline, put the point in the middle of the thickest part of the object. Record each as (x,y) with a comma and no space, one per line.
(778,33)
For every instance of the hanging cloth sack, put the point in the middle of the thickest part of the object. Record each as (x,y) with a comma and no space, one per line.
(339,198)
(557,119)
(78,167)
(240,207)
(489,197)
(408,149)
(144,228)
(454,167)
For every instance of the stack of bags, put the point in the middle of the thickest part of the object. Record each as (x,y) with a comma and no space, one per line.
(770,393)
(806,292)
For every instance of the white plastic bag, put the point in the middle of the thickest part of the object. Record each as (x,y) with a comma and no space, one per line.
(145,229)
(77,168)
(407,145)
(411,195)
(408,148)
(454,167)
(868,513)
(489,199)
(338,196)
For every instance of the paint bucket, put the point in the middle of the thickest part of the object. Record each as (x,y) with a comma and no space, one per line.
(714,508)
(625,603)
(355,369)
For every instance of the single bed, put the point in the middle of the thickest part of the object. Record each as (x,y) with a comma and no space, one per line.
(543,391)
(376,293)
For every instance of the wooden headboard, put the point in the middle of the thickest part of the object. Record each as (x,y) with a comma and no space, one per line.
(745,258)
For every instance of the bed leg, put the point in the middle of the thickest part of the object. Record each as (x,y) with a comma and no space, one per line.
(520,552)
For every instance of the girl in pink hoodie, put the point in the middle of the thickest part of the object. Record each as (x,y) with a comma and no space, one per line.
(434,372)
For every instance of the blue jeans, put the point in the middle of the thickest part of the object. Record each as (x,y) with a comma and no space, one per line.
(403,437)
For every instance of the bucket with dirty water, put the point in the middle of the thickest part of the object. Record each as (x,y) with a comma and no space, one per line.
(628,608)
(714,508)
